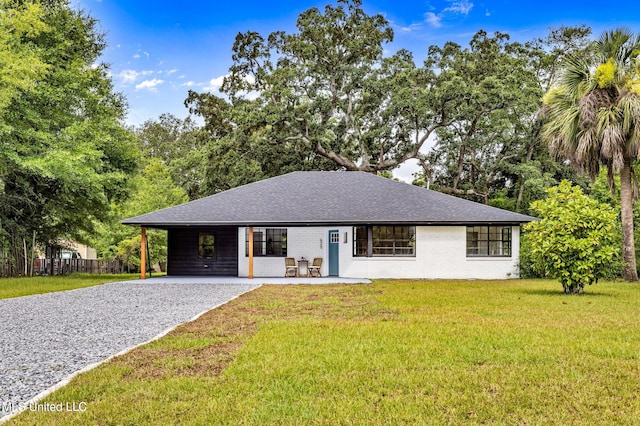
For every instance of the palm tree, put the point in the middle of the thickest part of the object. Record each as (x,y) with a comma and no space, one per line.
(592,119)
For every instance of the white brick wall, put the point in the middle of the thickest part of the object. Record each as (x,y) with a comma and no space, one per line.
(440,253)
(304,242)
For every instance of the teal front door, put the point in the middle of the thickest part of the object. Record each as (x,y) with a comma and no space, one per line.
(334,253)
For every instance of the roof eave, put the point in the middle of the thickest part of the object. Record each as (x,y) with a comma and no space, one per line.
(167,225)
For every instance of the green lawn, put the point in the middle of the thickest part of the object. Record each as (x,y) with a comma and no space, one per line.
(394,352)
(15,287)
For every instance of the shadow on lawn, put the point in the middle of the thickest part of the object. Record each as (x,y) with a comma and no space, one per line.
(560,293)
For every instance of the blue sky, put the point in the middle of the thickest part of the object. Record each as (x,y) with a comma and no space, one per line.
(158,50)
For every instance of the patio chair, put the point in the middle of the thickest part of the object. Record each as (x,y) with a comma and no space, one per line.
(290,267)
(314,268)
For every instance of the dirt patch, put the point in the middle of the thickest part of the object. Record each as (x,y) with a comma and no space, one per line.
(210,343)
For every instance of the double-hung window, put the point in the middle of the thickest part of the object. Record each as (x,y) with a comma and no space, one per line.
(384,240)
(488,241)
(206,245)
(267,242)
(360,240)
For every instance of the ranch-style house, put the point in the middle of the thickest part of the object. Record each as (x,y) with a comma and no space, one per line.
(360,225)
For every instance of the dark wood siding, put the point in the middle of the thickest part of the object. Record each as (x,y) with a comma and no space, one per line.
(182,258)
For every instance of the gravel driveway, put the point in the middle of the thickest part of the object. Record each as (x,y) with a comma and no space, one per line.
(45,338)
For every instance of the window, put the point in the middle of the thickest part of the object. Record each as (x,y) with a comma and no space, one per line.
(206,245)
(388,240)
(334,237)
(267,242)
(360,240)
(488,241)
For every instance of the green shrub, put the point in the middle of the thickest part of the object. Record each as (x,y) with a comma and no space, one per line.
(576,241)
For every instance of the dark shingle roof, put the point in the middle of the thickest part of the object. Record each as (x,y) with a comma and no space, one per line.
(317,198)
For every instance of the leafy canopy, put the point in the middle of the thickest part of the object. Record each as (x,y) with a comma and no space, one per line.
(65,154)
(21,66)
(151,189)
(575,241)
(326,90)
(177,143)
(592,119)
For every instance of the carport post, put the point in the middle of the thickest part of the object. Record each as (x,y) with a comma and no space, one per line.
(250,252)
(143,254)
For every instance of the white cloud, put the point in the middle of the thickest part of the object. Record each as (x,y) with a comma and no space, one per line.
(215,84)
(462,7)
(130,76)
(189,83)
(252,96)
(151,85)
(173,71)
(410,28)
(433,19)
(459,7)
(136,56)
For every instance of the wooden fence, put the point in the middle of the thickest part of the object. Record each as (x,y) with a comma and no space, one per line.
(88,266)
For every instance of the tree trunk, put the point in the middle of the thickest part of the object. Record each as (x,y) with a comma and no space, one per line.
(459,168)
(521,179)
(26,256)
(629,271)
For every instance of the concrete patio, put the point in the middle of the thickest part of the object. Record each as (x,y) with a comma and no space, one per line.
(252,281)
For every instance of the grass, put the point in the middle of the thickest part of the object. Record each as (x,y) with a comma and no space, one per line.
(395,352)
(16,287)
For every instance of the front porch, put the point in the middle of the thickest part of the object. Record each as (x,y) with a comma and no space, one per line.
(240,280)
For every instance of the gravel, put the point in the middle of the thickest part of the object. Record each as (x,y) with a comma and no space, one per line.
(45,338)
